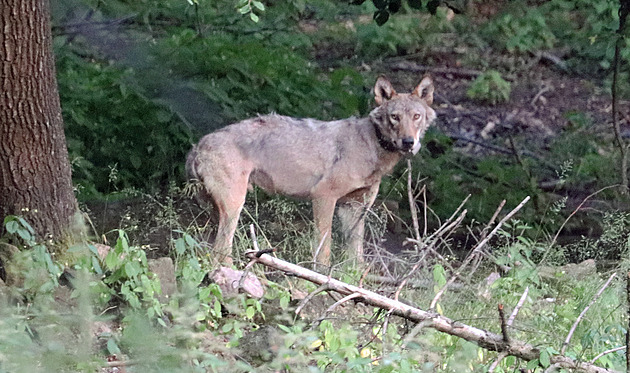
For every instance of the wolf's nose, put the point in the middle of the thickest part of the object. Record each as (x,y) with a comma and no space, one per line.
(407,143)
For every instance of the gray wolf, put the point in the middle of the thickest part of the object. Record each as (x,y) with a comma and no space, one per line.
(331,163)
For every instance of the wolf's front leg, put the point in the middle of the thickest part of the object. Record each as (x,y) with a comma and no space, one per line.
(351,214)
(323,211)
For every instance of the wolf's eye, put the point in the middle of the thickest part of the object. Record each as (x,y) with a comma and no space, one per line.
(394,117)
(416,116)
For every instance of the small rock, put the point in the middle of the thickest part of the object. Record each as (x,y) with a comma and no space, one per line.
(228,280)
(573,271)
(261,345)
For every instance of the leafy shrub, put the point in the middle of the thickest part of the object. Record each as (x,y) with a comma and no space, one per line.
(110,124)
(246,77)
(490,87)
(523,30)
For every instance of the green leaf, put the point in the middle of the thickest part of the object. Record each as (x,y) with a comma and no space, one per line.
(250,312)
(381,16)
(24,234)
(132,269)
(180,246)
(253,17)
(394,5)
(97,266)
(284,301)
(112,347)
(112,260)
(244,10)
(259,5)
(217,308)
(415,4)
(12,226)
(533,364)
(432,6)
(380,4)
(545,359)
(26,225)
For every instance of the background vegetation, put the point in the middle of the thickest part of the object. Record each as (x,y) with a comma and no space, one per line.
(141,81)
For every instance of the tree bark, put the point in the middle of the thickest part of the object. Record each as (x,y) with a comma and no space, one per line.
(35,176)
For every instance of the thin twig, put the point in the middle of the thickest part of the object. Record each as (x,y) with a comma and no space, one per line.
(335,305)
(484,232)
(607,352)
(412,203)
(365,273)
(518,307)
(581,316)
(253,261)
(319,247)
(416,329)
(437,232)
(497,361)
(320,288)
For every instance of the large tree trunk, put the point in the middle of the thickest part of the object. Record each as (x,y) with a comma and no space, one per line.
(35,179)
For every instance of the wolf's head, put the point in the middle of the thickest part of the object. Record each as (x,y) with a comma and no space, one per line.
(401,119)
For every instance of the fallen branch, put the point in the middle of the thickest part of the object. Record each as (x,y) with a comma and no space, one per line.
(483,338)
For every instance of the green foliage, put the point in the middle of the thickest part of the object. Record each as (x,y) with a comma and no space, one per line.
(246,77)
(522,30)
(130,278)
(111,124)
(490,88)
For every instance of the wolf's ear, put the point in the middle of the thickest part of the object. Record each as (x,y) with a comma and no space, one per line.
(383,90)
(424,90)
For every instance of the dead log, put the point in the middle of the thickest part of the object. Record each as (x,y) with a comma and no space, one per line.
(483,338)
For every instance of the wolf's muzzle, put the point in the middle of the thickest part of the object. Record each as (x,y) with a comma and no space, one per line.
(407,143)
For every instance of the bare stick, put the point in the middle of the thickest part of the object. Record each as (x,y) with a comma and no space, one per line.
(425,208)
(483,338)
(450,218)
(335,305)
(303,302)
(607,352)
(249,265)
(484,232)
(365,273)
(497,361)
(252,233)
(581,316)
(412,203)
(319,247)
(518,307)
